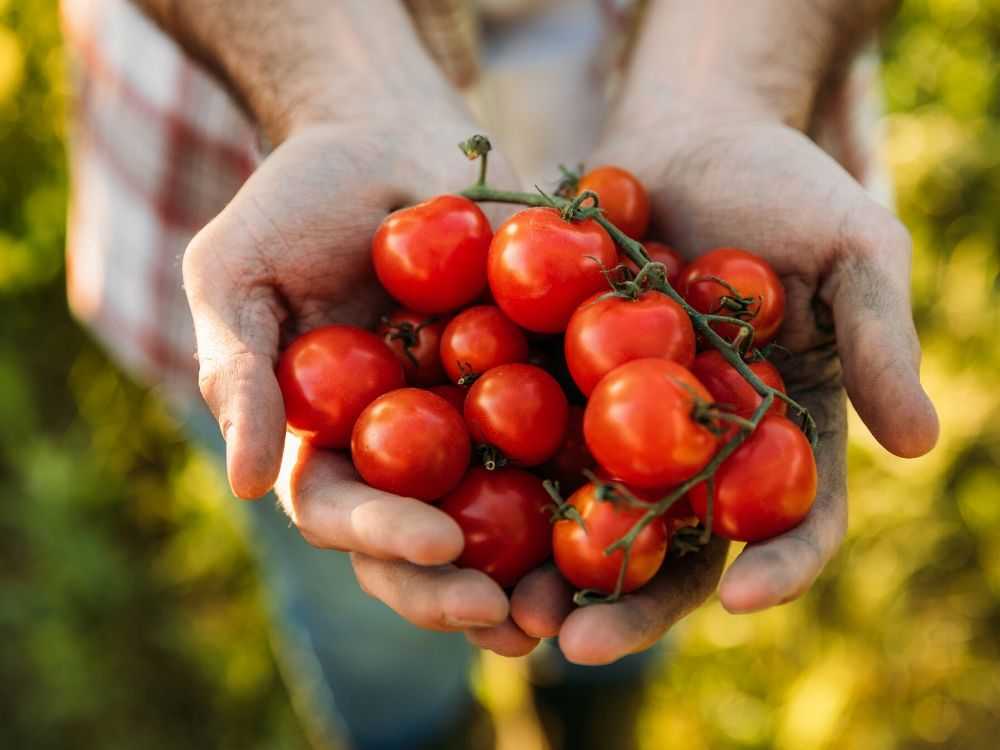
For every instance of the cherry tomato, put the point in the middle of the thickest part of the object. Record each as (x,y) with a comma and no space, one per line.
(640,424)
(431,257)
(328,376)
(660,253)
(504,517)
(622,197)
(520,410)
(452,394)
(411,442)
(579,550)
(608,331)
(730,390)
(542,267)
(415,339)
(762,297)
(678,516)
(478,339)
(765,488)
(573,457)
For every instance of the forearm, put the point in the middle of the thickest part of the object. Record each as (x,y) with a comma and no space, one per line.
(748,58)
(295,62)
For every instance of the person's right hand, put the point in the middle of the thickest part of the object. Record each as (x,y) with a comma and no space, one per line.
(288,254)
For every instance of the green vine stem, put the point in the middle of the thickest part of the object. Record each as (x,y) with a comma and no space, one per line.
(573,209)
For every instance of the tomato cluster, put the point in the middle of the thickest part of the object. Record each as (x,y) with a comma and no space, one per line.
(538,353)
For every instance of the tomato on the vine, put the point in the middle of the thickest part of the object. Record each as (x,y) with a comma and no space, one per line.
(431,257)
(609,330)
(411,442)
(678,516)
(415,339)
(730,390)
(479,339)
(520,410)
(642,424)
(541,267)
(572,458)
(739,284)
(504,517)
(622,197)
(328,376)
(660,253)
(579,549)
(766,487)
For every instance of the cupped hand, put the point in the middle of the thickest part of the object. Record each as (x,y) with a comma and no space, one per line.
(288,254)
(845,263)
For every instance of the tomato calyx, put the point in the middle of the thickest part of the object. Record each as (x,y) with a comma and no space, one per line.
(468,377)
(406,334)
(490,457)
(569,180)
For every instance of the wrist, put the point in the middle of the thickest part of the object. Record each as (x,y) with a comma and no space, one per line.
(754,60)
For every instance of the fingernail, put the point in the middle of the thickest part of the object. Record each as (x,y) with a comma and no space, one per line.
(456,622)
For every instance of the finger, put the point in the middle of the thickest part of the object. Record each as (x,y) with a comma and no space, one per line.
(541,601)
(506,639)
(603,633)
(440,598)
(878,342)
(782,569)
(237,337)
(334,509)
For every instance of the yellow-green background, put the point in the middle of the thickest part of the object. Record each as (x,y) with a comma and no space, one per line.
(130,615)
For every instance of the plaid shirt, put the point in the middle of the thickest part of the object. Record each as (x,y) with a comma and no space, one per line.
(158,148)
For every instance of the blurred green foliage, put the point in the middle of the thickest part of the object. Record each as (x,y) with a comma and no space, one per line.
(132,617)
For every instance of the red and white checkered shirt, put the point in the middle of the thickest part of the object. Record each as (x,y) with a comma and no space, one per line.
(158,148)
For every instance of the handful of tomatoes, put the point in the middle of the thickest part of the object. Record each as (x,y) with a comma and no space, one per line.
(536,360)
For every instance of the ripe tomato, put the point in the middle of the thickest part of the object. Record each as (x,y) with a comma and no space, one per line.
(579,551)
(411,442)
(765,488)
(605,333)
(678,516)
(503,516)
(478,339)
(730,390)
(415,340)
(751,277)
(622,197)
(452,394)
(660,253)
(520,410)
(328,376)
(542,267)
(573,457)
(432,256)
(640,424)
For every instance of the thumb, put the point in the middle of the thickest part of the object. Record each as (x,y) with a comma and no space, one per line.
(237,333)
(877,340)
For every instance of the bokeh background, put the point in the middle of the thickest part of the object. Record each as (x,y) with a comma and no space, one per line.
(130,611)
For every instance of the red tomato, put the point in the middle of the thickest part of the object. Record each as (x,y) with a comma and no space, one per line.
(520,410)
(610,331)
(678,516)
(328,376)
(432,256)
(542,267)
(478,339)
(640,424)
(573,457)
(452,394)
(730,390)
(750,276)
(660,253)
(504,517)
(765,488)
(415,339)
(622,197)
(579,551)
(411,442)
